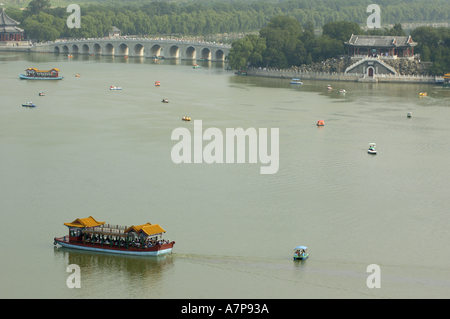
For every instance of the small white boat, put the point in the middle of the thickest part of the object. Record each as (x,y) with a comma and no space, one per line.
(29,104)
(296,81)
(372,149)
(115,88)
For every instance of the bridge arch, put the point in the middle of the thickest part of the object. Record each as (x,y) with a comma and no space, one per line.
(85,49)
(155,50)
(56,49)
(191,53)
(97,48)
(206,54)
(123,49)
(75,48)
(109,49)
(174,52)
(65,49)
(138,50)
(219,55)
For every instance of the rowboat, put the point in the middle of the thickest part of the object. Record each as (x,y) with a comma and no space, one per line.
(89,234)
(320,123)
(185,118)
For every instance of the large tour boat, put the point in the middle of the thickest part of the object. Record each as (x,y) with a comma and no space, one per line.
(89,234)
(35,74)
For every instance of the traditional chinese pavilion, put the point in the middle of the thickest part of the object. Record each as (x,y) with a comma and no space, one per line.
(8,28)
(381,46)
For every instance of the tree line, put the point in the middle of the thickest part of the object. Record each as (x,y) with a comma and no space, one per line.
(284,42)
(286,28)
(202,17)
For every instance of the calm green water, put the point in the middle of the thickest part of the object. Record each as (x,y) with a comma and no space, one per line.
(88,151)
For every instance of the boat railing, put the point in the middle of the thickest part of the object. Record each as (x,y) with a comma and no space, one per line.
(107,228)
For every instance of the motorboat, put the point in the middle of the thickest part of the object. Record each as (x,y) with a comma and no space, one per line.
(185,118)
(300,253)
(409,114)
(165,101)
(115,88)
(320,123)
(41,93)
(295,81)
(29,104)
(372,149)
(195,66)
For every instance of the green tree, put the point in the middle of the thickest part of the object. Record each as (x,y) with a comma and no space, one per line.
(36,6)
(248,50)
(283,42)
(341,30)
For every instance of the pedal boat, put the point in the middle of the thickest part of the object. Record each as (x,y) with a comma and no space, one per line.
(300,253)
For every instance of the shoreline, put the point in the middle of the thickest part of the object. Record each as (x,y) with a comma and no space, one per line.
(342,76)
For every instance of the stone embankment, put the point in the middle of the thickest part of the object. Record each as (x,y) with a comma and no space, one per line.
(334,69)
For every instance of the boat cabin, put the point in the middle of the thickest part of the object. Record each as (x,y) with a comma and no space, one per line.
(88,230)
(33,72)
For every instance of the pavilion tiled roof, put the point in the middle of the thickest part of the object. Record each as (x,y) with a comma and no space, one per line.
(380,41)
(8,25)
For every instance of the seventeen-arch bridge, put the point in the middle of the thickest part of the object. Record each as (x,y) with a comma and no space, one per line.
(140,47)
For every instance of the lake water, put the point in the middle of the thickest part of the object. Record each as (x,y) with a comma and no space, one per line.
(88,151)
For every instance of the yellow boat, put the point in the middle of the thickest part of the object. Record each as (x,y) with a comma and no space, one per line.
(423,94)
(185,118)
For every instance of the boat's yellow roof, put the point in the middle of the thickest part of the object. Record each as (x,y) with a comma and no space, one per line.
(54,69)
(148,229)
(84,222)
(447,76)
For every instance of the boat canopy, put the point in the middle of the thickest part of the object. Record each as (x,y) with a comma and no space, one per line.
(447,76)
(42,71)
(84,222)
(294,79)
(301,247)
(146,229)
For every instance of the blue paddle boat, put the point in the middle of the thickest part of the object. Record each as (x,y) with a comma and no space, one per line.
(295,81)
(300,253)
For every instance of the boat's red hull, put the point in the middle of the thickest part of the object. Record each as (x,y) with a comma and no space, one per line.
(155,250)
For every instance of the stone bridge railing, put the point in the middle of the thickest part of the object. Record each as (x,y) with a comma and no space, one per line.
(139,47)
